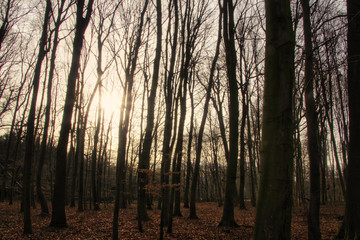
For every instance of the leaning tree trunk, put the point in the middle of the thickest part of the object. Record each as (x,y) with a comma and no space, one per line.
(29,155)
(58,218)
(273,212)
(144,161)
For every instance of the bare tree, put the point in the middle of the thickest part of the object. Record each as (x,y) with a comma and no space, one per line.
(312,129)
(31,120)
(231,62)
(126,108)
(209,88)
(59,20)
(144,160)
(168,94)
(58,218)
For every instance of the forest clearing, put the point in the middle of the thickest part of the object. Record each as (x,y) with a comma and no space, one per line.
(97,224)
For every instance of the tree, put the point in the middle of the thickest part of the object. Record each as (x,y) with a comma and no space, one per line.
(273,212)
(189,146)
(58,218)
(126,108)
(103,31)
(312,129)
(31,120)
(231,62)
(81,131)
(144,160)
(351,227)
(168,94)
(194,182)
(43,147)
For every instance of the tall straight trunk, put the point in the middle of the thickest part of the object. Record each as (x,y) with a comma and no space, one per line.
(219,112)
(245,110)
(273,211)
(251,159)
(101,171)
(175,180)
(120,196)
(189,34)
(168,84)
(299,166)
(79,152)
(80,144)
(58,218)
(217,177)
(231,62)
(312,130)
(189,146)
(242,147)
(330,121)
(323,163)
(94,153)
(351,226)
(194,182)
(144,161)
(29,141)
(42,200)
(94,159)
(75,171)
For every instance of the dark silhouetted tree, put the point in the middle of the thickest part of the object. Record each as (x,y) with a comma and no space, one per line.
(273,211)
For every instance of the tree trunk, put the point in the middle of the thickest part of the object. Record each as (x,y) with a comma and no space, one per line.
(42,200)
(351,226)
(58,218)
(242,148)
(312,130)
(230,189)
(29,155)
(144,161)
(251,160)
(120,197)
(189,146)
(165,162)
(273,212)
(202,124)
(95,152)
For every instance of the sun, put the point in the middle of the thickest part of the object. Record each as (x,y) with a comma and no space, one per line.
(111,102)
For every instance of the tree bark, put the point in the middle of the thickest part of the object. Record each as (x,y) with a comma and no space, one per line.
(351,226)
(273,212)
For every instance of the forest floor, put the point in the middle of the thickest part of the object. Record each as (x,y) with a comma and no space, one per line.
(98,224)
